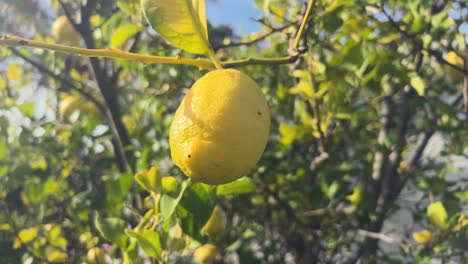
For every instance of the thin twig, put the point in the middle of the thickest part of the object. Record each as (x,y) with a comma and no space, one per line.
(259,38)
(303,25)
(59,78)
(384,238)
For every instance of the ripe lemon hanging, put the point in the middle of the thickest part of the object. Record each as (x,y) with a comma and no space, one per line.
(206,254)
(221,127)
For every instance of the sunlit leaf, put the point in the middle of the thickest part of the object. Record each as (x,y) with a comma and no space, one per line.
(417,83)
(57,256)
(288,133)
(423,237)
(149,180)
(241,186)
(181,22)
(123,33)
(129,6)
(169,184)
(13,72)
(437,214)
(28,235)
(149,241)
(168,203)
(356,197)
(112,229)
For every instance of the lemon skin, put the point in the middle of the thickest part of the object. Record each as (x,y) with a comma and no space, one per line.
(221,127)
(206,254)
(63,30)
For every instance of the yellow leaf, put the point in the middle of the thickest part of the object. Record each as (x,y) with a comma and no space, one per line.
(39,164)
(181,22)
(437,214)
(288,133)
(422,237)
(16,243)
(461,223)
(95,20)
(57,256)
(169,184)
(5,227)
(149,180)
(303,88)
(123,33)
(28,235)
(356,197)
(13,72)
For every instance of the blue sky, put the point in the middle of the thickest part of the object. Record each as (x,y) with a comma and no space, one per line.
(235,13)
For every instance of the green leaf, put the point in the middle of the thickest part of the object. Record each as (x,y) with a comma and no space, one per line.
(149,180)
(123,33)
(2,83)
(417,83)
(149,241)
(112,229)
(3,148)
(181,22)
(195,208)
(437,214)
(241,186)
(169,203)
(128,6)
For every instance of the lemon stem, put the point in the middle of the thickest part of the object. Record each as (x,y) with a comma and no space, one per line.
(202,64)
(106,53)
(305,19)
(214,59)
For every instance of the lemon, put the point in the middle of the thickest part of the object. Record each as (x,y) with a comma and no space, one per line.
(71,103)
(95,256)
(216,223)
(206,254)
(221,127)
(63,30)
(68,105)
(453,58)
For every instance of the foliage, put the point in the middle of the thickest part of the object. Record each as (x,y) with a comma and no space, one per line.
(360,163)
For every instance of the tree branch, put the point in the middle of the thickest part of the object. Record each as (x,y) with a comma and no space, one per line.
(59,78)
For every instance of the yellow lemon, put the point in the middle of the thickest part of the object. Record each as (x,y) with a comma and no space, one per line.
(95,256)
(206,254)
(216,223)
(221,127)
(453,58)
(63,30)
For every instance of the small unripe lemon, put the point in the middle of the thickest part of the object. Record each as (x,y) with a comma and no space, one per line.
(206,254)
(68,105)
(216,223)
(71,103)
(95,256)
(177,239)
(63,30)
(454,59)
(221,127)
